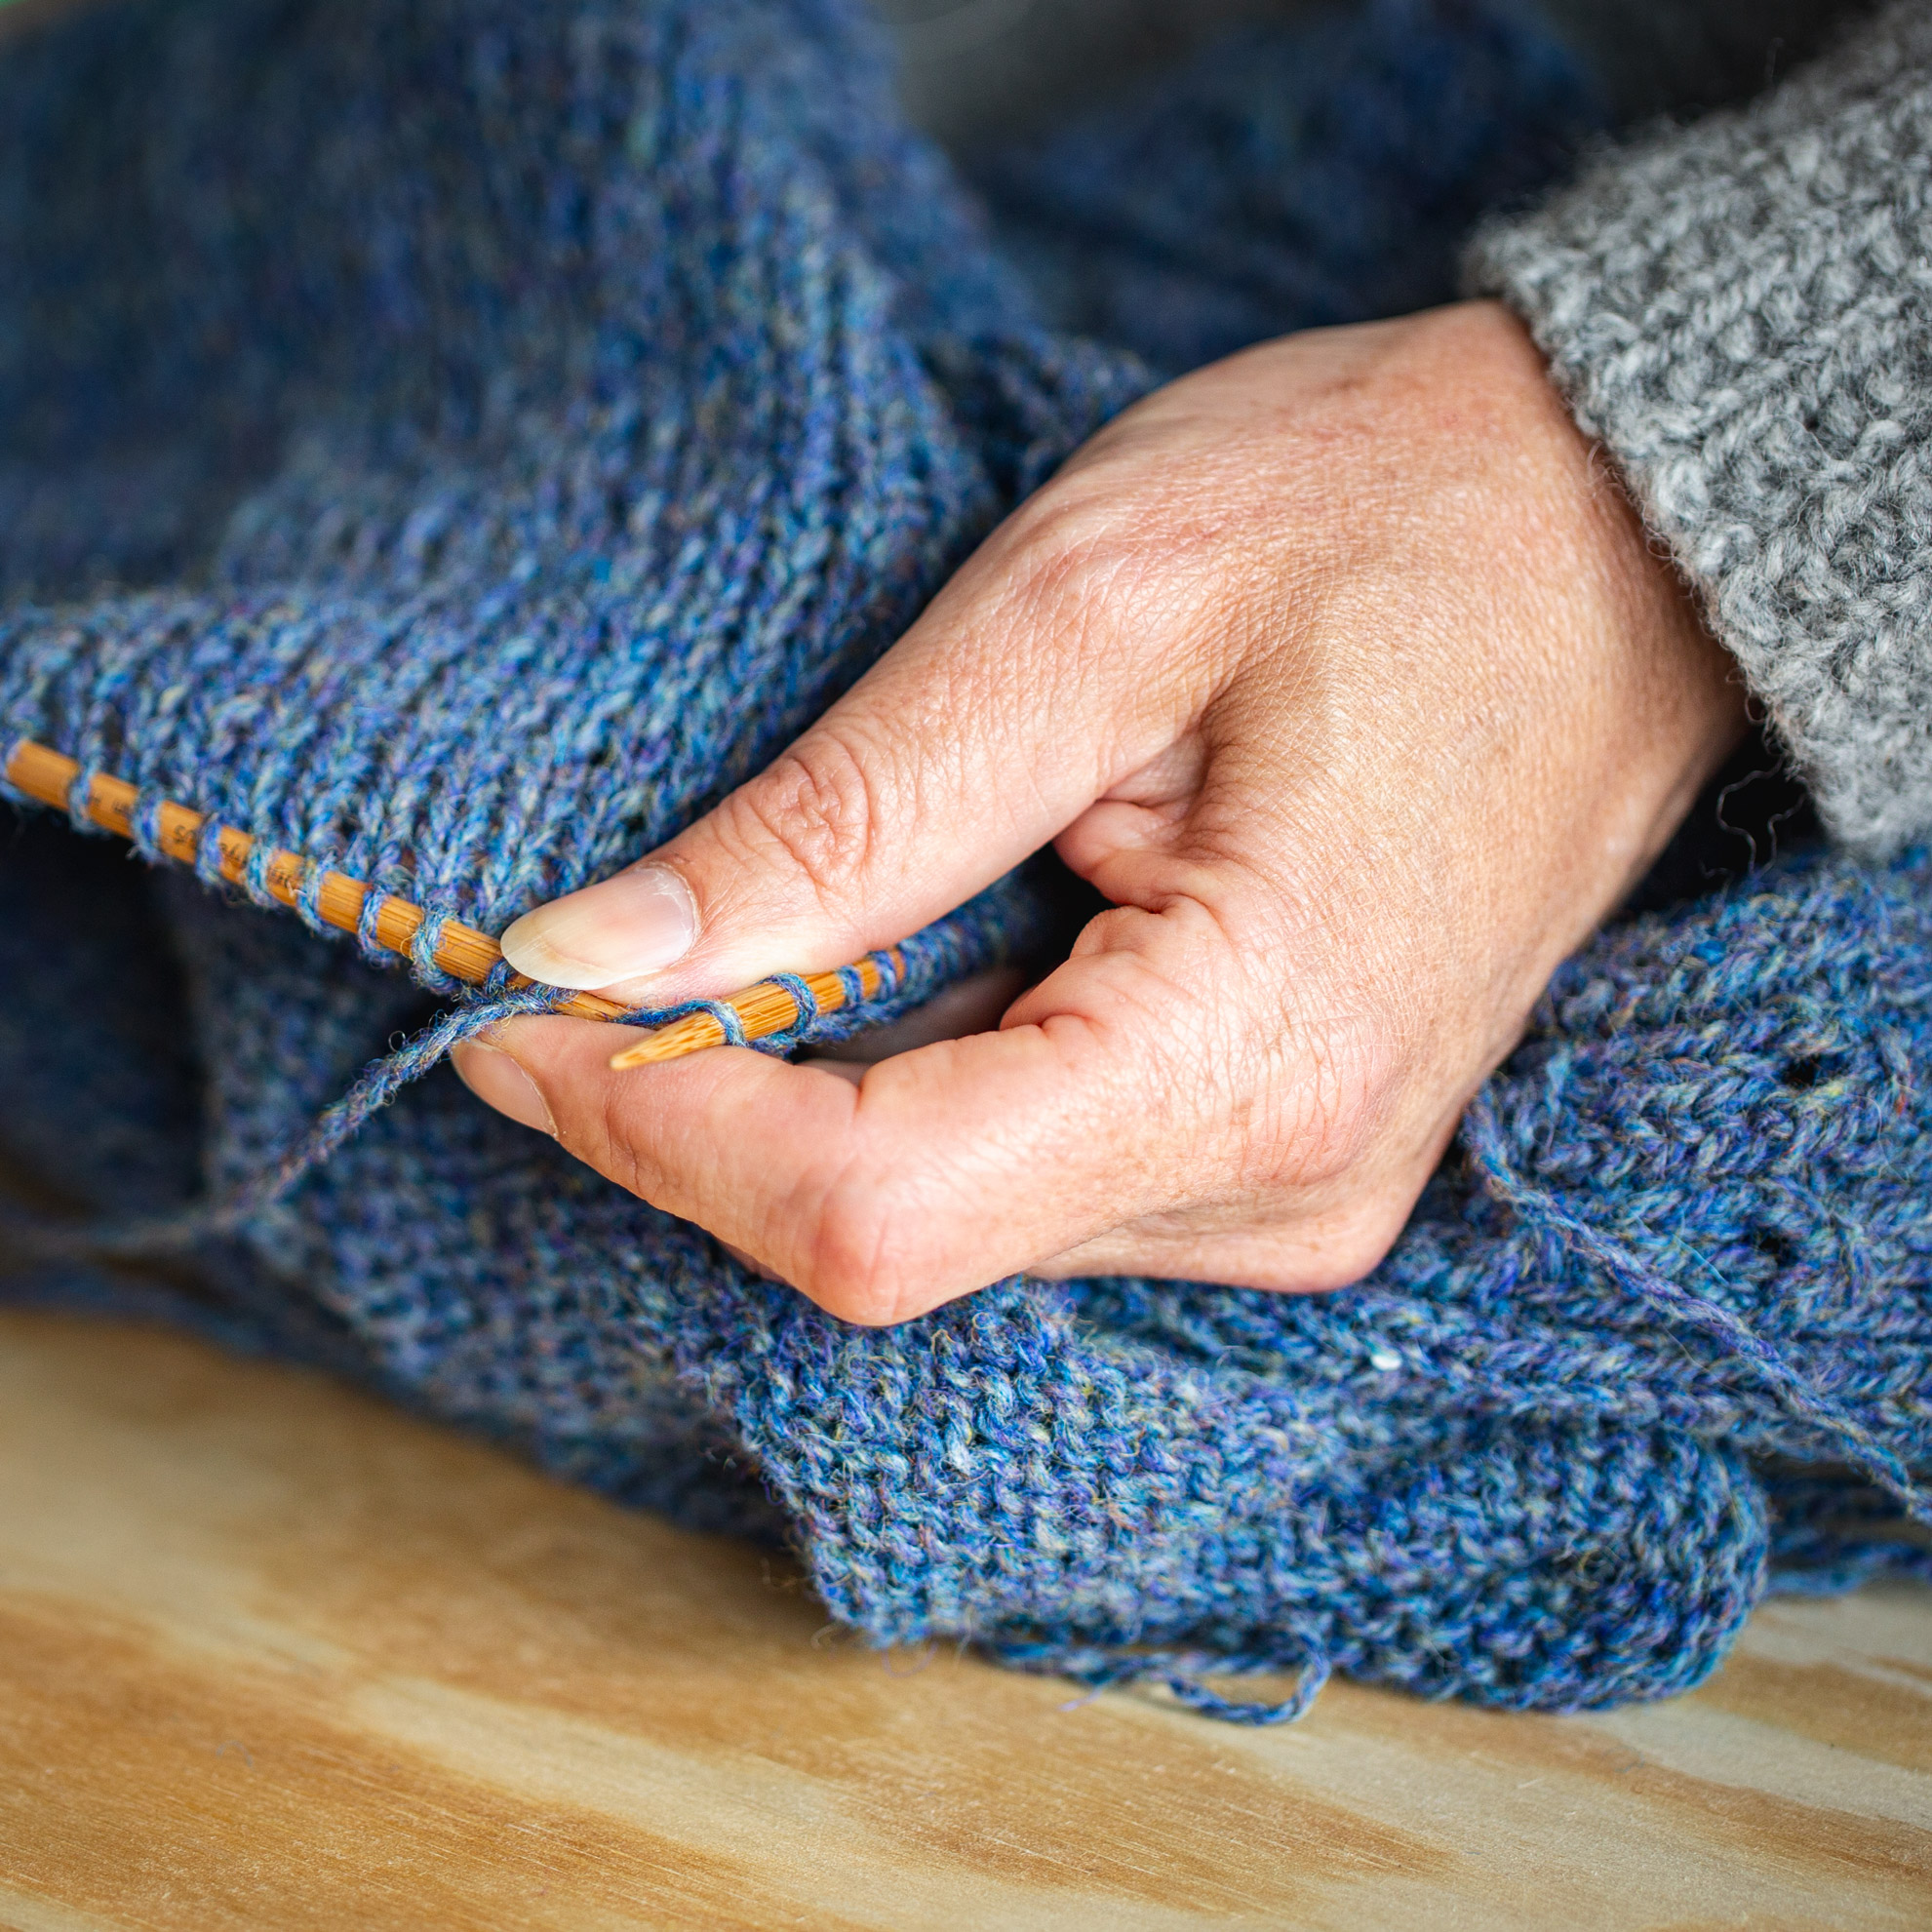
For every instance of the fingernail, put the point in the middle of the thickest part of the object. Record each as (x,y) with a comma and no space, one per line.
(640,922)
(498,1081)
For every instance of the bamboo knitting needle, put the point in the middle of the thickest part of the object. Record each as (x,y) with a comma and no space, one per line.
(762,1009)
(461,951)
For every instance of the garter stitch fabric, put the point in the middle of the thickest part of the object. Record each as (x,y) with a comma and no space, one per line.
(458,440)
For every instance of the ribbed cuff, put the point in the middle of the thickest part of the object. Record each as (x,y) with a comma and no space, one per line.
(1741,312)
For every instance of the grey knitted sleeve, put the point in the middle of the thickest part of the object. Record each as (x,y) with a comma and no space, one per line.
(1741,312)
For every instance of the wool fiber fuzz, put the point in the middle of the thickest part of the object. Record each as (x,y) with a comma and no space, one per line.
(1742,312)
(458,439)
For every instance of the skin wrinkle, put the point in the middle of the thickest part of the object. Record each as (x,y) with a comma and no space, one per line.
(618,1153)
(1333,667)
(1192,1063)
(1101,585)
(819,811)
(851,1222)
(902,1193)
(796,456)
(900,1197)
(825,862)
(814,1188)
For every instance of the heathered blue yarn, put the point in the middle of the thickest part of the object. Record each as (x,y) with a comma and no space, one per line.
(458,439)
(1328,175)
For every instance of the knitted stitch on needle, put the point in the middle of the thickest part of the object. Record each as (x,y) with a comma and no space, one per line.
(457,441)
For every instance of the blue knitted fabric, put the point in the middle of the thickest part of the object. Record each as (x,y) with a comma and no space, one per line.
(458,439)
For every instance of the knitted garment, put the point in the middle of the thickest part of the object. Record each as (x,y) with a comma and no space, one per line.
(458,439)
(1742,312)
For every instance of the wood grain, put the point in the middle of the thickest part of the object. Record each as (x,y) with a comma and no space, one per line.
(275,1655)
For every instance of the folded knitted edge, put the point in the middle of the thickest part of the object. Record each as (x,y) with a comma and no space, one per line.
(1011,920)
(1729,309)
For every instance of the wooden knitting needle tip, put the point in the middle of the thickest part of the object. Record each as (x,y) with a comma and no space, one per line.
(762,1009)
(461,951)
(181,833)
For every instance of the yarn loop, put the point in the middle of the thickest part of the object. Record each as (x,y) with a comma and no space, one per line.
(460,441)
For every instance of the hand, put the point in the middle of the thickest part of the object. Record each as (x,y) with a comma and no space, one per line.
(1344,671)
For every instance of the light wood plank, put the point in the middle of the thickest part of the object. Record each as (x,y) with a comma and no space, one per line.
(275,1655)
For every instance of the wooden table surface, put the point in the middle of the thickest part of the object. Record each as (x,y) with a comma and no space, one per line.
(276,1655)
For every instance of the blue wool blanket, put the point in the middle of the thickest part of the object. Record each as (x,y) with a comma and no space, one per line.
(457,441)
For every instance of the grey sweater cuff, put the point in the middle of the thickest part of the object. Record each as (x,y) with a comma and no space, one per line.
(1741,312)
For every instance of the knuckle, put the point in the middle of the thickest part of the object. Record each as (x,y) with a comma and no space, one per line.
(854,1267)
(1080,562)
(602,1137)
(818,809)
(1111,556)
(1353,1242)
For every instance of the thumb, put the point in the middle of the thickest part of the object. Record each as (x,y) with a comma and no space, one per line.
(974,743)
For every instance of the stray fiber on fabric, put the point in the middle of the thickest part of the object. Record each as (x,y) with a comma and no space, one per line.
(458,440)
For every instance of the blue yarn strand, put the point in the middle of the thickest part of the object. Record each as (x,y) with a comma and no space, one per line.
(475,512)
(1860,1448)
